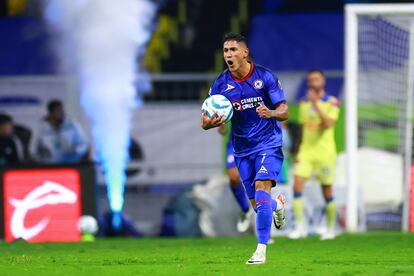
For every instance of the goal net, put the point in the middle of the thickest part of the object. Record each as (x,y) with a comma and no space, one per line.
(379,97)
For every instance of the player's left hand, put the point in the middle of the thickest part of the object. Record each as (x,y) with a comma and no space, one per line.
(264,112)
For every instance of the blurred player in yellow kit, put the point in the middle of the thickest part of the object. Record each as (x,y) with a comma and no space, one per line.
(318,114)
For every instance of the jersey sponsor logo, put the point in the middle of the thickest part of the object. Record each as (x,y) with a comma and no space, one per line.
(229,87)
(247,103)
(237,106)
(262,170)
(258,84)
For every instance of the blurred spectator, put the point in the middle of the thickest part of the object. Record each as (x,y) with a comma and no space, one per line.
(16,7)
(60,139)
(34,8)
(24,135)
(3,8)
(21,8)
(8,147)
(14,141)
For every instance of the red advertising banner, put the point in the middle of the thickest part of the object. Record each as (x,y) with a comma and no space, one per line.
(42,205)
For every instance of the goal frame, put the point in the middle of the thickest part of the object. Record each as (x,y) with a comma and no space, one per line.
(352,11)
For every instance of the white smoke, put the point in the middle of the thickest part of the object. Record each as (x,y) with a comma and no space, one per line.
(99,40)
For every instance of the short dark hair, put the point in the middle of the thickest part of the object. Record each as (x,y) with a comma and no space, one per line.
(311,71)
(4,118)
(236,37)
(53,104)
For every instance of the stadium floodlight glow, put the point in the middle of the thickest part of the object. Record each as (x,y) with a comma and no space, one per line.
(373,59)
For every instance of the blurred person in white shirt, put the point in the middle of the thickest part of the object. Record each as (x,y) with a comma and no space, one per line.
(60,139)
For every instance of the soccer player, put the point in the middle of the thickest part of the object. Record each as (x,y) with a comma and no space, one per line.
(317,151)
(235,183)
(259,105)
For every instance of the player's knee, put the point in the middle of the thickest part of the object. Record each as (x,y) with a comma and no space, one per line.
(297,188)
(253,203)
(298,184)
(263,185)
(327,191)
(234,184)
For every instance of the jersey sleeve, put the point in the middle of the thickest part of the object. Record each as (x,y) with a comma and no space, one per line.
(333,111)
(214,89)
(276,93)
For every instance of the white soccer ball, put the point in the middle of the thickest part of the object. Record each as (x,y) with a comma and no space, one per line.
(218,104)
(88,225)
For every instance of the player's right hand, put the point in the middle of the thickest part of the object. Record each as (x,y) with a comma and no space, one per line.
(213,121)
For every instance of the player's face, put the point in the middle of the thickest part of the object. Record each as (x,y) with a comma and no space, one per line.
(235,54)
(316,81)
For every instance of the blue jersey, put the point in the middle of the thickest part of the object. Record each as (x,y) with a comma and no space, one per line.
(250,133)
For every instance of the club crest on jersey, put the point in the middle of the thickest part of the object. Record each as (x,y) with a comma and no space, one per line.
(258,84)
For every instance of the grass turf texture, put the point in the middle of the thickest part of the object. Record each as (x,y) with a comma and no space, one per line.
(370,254)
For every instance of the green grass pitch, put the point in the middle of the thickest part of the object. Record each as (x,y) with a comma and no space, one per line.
(369,254)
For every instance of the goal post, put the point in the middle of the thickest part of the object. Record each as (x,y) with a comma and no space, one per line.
(379,87)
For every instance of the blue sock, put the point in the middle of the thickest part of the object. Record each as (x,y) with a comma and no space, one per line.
(264,216)
(240,195)
(328,199)
(297,195)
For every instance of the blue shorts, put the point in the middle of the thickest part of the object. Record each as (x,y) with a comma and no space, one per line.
(263,165)
(230,161)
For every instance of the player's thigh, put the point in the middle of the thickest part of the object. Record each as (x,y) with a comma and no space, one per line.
(245,167)
(268,164)
(325,171)
(264,185)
